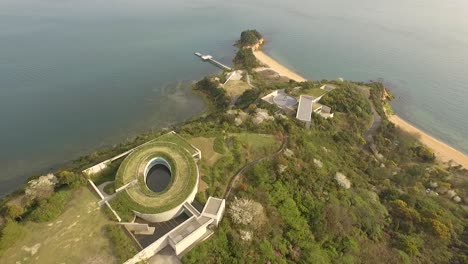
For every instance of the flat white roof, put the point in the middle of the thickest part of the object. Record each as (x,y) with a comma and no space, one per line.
(304,110)
(212,206)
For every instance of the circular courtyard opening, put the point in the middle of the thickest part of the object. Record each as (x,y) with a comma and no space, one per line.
(158,175)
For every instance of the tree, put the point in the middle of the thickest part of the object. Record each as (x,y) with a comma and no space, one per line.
(13,211)
(41,188)
(70,178)
(245,59)
(249,37)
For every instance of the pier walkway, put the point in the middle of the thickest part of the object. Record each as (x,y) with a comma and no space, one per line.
(209,58)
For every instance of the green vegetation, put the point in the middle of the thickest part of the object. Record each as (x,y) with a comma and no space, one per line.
(110,188)
(142,199)
(325,199)
(219,145)
(75,236)
(249,38)
(53,207)
(210,89)
(245,59)
(11,232)
(309,88)
(235,88)
(122,245)
(207,147)
(386,213)
(247,98)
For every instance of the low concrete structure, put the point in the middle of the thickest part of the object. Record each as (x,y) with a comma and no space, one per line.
(328,87)
(180,157)
(182,237)
(323,110)
(281,99)
(304,110)
(309,104)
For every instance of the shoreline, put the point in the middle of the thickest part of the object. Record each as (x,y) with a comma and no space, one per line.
(277,66)
(442,151)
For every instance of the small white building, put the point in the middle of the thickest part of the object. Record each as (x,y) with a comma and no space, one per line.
(309,104)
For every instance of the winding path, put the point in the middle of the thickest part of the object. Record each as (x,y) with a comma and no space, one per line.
(247,166)
(376,122)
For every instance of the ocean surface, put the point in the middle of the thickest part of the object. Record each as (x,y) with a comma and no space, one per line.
(79,75)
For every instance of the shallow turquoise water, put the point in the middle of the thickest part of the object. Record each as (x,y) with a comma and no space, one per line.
(77,75)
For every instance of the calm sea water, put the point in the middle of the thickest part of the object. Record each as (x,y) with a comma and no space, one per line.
(79,75)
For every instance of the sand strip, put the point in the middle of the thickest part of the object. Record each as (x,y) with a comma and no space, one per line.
(277,67)
(443,151)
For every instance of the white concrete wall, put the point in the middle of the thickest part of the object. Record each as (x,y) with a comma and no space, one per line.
(136,227)
(164,216)
(155,162)
(168,215)
(102,197)
(220,214)
(190,239)
(149,251)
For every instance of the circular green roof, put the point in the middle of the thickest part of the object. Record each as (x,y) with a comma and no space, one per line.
(139,197)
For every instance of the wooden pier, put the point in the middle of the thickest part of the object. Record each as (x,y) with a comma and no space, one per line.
(209,58)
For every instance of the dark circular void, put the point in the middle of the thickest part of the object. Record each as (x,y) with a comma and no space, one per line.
(158,178)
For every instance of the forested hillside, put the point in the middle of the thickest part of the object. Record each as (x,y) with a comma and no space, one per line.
(329,197)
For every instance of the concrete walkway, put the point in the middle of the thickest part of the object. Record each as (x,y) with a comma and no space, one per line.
(101,189)
(165,256)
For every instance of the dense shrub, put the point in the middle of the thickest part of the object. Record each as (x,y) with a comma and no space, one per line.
(210,88)
(249,37)
(347,100)
(219,145)
(247,98)
(71,179)
(51,208)
(122,245)
(12,211)
(245,59)
(423,153)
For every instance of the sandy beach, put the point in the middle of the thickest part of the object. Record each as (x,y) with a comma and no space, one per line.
(442,151)
(277,67)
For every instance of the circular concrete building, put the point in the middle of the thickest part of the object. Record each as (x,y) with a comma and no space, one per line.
(158,178)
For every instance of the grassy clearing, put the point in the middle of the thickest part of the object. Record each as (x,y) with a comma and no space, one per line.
(76,236)
(236,88)
(205,145)
(315,92)
(257,145)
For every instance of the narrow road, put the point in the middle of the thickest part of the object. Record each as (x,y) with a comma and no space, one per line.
(247,76)
(377,121)
(247,166)
(376,118)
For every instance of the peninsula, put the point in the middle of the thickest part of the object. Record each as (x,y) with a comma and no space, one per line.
(280,169)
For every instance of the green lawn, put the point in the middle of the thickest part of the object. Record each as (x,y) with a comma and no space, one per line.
(236,88)
(257,145)
(77,236)
(209,156)
(315,92)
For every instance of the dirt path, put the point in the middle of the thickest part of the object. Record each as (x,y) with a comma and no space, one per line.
(247,166)
(376,122)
